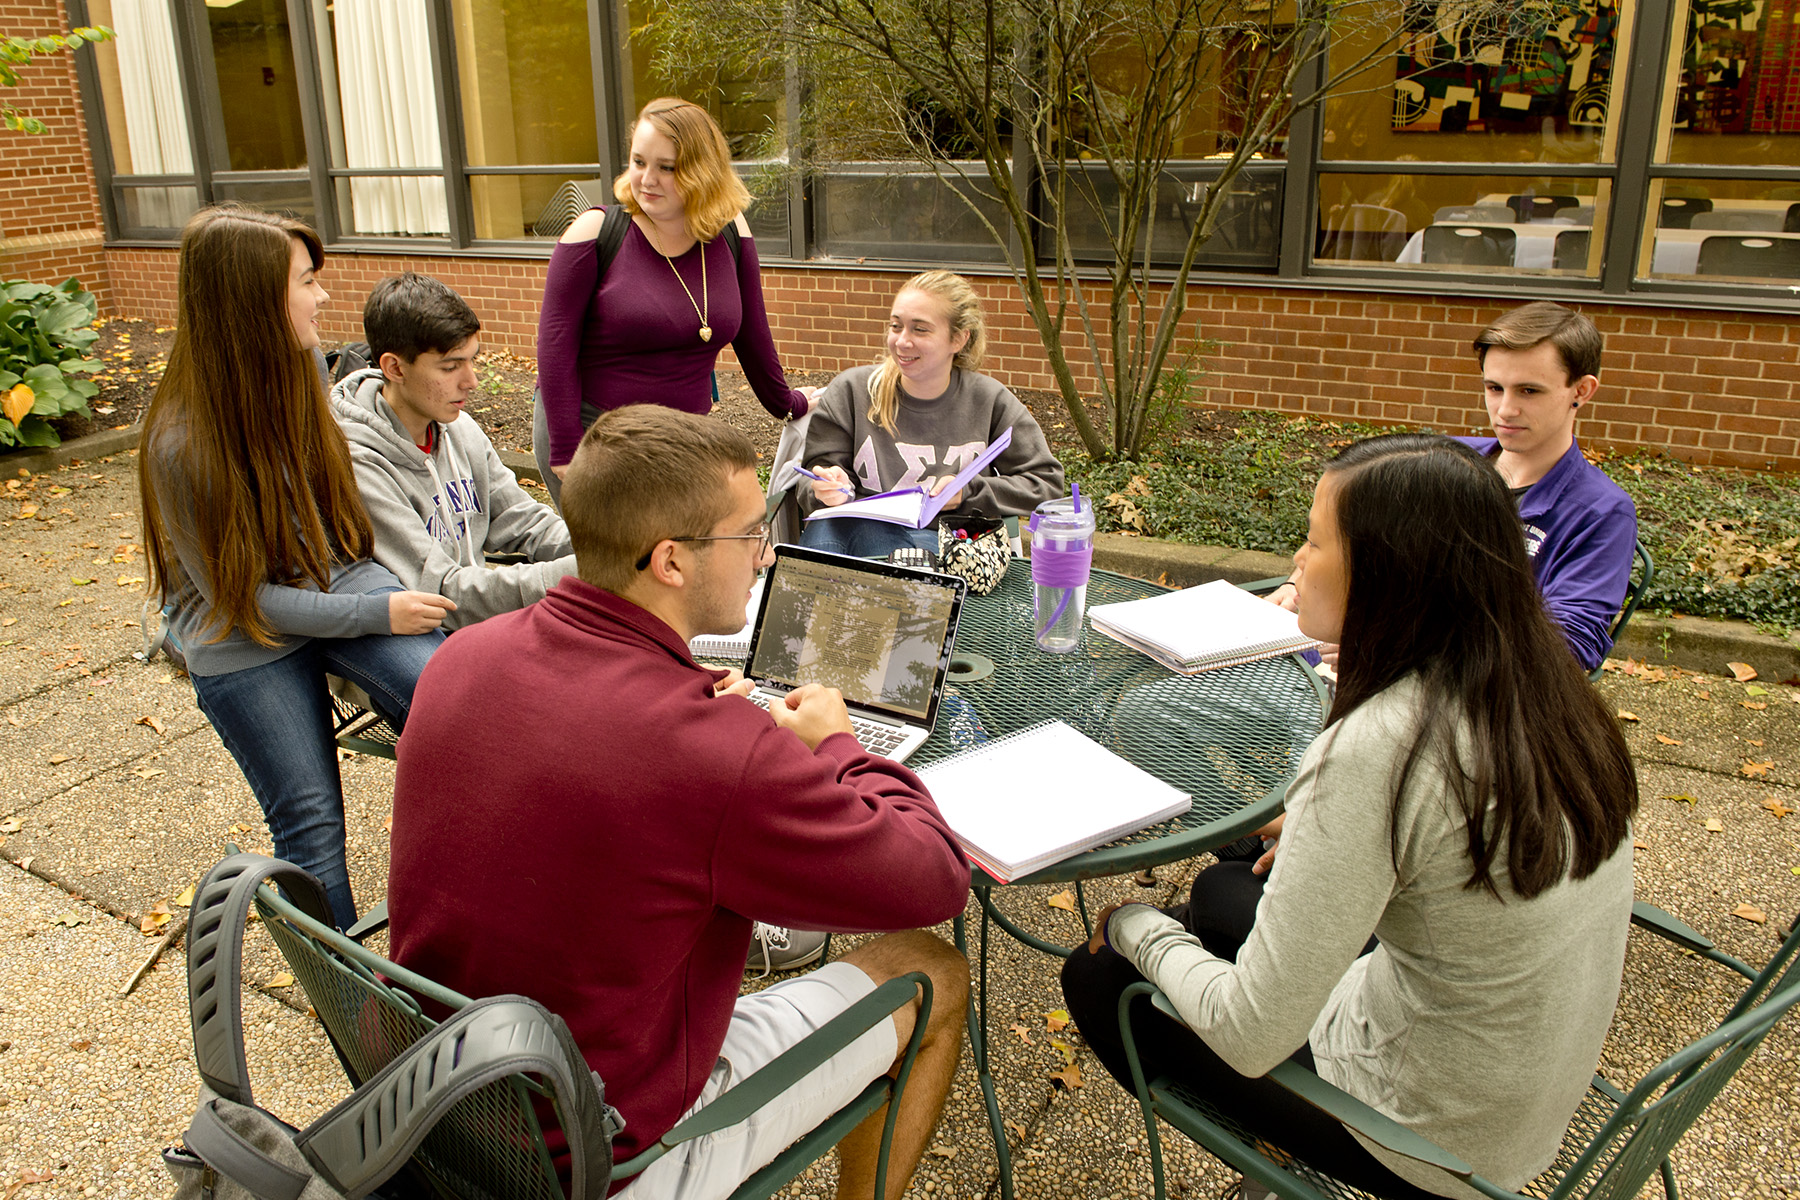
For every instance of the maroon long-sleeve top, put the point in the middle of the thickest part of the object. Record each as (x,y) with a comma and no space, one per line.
(578,819)
(635,339)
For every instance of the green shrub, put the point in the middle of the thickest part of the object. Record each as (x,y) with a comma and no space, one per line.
(45,333)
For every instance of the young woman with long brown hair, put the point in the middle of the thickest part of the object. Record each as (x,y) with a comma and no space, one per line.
(257,536)
(1468,805)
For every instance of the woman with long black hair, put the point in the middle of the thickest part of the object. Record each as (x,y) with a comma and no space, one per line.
(1467,807)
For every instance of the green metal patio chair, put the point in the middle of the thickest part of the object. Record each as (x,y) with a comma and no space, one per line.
(1617,1140)
(492,1144)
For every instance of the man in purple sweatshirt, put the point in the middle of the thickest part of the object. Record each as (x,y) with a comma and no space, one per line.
(586,816)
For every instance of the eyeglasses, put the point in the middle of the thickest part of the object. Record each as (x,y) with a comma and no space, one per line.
(761,535)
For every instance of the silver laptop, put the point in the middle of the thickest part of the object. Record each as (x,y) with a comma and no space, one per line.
(879,633)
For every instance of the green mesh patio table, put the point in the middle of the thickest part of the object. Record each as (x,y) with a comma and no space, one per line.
(1230,738)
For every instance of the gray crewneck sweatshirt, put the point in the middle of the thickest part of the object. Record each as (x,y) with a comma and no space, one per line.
(1475,1023)
(932,439)
(437,516)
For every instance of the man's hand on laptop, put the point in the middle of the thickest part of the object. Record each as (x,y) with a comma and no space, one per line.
(814,713)
(731,682)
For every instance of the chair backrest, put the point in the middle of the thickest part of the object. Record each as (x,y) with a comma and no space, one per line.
(1365,232)
(1678,211)
(1491,214)
(1571,251)
(1654,1115)
(1635,590)
(1469,245)
(491,1143)
(1749,257)
(1744,220)
(1540,208)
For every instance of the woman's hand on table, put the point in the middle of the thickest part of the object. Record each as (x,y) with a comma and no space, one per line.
(417,612)
(833,486)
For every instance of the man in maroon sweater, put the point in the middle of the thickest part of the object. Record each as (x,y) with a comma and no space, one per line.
(585,816)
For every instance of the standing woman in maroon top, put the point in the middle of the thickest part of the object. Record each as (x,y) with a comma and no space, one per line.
(650,329)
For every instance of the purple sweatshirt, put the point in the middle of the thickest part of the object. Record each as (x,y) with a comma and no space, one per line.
(1581,533)
(635,339)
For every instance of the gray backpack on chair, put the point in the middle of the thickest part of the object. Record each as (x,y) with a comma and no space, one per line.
(235,1149)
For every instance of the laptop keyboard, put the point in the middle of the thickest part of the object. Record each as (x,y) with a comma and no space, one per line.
(875,736)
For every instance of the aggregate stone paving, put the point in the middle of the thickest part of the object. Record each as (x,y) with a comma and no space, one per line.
(133,816)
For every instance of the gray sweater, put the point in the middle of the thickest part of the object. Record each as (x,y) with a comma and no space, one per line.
(933,439)
(1476,1023)
(437,516)
(297,613)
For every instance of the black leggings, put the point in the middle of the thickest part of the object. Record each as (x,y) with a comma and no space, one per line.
(1219,912)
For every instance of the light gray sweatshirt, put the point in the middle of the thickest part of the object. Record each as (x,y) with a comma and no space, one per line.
(1476,1022)
(436,516)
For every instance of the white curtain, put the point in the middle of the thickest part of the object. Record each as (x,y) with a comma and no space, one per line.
(390,119)
(156,128)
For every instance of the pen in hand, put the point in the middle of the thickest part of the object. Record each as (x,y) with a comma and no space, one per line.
(847,490)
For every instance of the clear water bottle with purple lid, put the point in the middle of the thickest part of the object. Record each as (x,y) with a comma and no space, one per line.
(1062,554)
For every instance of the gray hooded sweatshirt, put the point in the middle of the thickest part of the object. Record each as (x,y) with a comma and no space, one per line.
(436,516)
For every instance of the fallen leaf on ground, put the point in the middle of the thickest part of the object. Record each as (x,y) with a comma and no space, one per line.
(285,979)
(1714,825)
(72,919)
(1704,695)
(1752,769)
(8,621)
(942,1152)
(148,772)
(152,722)
(1067,1051)
(1668,741)
(1754,705)
(1757,742)
(1624,715)
(1056,1020)
(58,759)
(186,899)
(83,1044)
(129,580)
(11,825)
(156,918)
(1014,1127)
(1777,807)
(79,582)
(1750,912)
(1069,1077)
(387,826)
(1024,1033)
(1753,690)
(1064,900)
(1742,672)
(238,829)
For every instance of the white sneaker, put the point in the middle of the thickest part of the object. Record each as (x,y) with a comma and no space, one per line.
(777,948)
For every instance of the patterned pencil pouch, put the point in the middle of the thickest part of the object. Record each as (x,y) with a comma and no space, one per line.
(975,549)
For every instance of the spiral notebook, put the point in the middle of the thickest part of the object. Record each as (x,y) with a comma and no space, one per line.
(1022,802)
(1203,628)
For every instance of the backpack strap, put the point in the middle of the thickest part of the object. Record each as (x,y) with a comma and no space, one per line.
(362,1141)
(215,960)
(734,240)
(610,237)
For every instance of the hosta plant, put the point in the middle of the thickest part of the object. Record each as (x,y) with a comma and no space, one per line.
(45,333)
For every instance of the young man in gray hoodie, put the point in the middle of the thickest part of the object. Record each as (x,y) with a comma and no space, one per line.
(437,493)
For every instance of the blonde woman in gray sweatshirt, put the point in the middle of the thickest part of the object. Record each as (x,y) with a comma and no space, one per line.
(1443,928)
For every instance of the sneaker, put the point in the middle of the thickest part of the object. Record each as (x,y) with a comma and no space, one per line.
(776,948)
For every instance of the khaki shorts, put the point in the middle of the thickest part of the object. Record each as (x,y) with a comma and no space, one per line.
(762,1026)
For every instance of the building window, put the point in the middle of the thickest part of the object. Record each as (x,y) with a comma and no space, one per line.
(139,76)
(1731,100)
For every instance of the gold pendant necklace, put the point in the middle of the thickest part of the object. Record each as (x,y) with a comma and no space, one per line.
(705,294)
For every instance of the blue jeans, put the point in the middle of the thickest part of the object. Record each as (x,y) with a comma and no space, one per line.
(860,537)
(276,720)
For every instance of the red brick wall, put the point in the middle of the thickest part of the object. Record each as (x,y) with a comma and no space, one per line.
(1704,387)
(49,209)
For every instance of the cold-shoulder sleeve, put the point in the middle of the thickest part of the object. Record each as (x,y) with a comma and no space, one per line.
(568,296)
(755,345)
